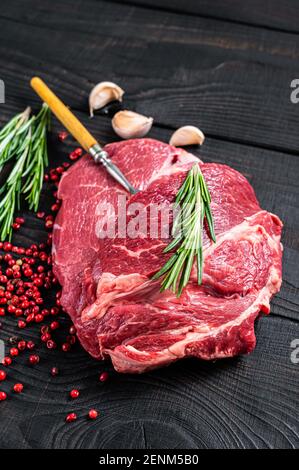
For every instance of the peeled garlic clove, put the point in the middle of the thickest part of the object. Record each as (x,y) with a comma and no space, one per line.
(130,125)
(187,135)
(102,94)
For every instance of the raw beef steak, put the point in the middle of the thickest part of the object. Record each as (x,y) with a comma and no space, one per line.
(106,282)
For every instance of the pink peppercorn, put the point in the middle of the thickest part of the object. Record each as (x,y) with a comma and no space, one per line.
(74,393)
(2,375)
(18,388)
(93,414)
(104,377)
(33,359)
(71,417)
(3,396)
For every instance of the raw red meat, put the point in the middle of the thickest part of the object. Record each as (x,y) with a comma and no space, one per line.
(118,311)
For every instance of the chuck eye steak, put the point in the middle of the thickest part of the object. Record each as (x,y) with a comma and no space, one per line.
(106,282)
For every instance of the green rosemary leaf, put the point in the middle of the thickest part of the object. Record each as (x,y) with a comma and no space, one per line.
(184,188)
(166,267)
(205,192)
(210,223)
(199,265)
(173,244)
(186,272)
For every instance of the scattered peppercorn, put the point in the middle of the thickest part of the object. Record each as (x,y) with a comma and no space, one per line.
(62,135)
(7,361)
(92,414)
(14,352)
(76,154)
(22,324)
(71,417)
(51,344)
(2,375)
(54,371)
(104,377)
(34,359)
(18,388)
(54,325)
(66,347)
(21,345)
(73,330)
(74,394)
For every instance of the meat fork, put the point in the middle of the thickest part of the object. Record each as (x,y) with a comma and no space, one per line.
(79,132)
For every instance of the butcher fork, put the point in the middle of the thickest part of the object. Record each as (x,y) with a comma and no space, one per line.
(79,132)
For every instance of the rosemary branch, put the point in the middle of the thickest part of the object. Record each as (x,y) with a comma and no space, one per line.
(23,140)
(8,142)
(37,159)
(193,200)
(12,189)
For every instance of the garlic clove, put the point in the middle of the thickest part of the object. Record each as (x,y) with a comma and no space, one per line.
(187,135)
(102,94)
(130,125)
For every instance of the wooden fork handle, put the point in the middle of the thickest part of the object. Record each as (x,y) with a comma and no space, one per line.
(63,114)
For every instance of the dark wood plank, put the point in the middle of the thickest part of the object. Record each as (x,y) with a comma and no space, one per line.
(226,78)
(267,14)
(127,27)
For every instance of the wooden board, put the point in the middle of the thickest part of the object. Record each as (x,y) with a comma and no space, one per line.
(233,81)
(230,79)
(282,16)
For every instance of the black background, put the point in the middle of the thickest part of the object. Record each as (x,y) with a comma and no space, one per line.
(226,67)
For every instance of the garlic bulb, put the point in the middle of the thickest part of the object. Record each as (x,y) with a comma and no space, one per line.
(102,94)
(130,125)
(187,135)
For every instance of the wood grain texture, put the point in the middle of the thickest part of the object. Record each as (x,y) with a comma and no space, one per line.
(266,14)
(233,81)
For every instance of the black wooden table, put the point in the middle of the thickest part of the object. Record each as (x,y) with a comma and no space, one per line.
(226,67)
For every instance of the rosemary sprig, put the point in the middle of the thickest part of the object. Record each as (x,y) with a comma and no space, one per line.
(12,188)
(37,160)
(8,140)
(193,200)
(23,140)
